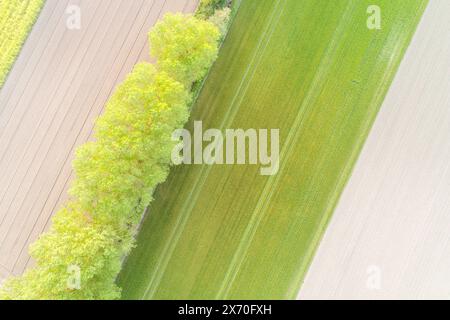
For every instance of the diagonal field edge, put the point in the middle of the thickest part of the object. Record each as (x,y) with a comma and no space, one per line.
(260,244)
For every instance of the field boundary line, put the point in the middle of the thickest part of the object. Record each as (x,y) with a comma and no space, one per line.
(359,144)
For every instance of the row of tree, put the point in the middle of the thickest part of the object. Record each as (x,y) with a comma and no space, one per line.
(116,174)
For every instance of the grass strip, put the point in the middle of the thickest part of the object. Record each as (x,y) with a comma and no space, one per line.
(319,72)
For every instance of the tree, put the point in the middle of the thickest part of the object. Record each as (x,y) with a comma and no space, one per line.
(184,47)
(116,174)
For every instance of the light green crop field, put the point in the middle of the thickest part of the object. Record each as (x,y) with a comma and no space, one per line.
(16,19)
(313,69)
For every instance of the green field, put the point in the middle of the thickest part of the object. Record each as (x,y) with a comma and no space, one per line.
(16,19)
(311,68)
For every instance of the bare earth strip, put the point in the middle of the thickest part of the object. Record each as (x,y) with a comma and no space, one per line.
(50,100)
(390,234)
